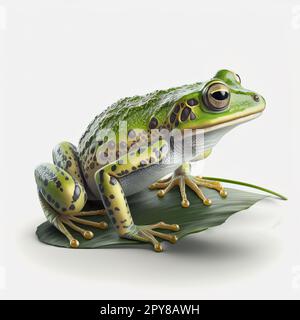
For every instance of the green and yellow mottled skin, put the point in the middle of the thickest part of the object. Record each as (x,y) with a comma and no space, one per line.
(99,170)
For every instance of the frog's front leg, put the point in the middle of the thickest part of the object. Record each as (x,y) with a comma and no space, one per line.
(117,207)
(62,194)
(182,177)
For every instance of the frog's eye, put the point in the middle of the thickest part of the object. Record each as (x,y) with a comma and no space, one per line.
(238,78)
(216,97)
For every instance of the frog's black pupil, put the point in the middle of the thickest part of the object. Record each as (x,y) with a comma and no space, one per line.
(220,95)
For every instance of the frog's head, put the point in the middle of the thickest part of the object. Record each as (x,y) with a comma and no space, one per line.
(219,102)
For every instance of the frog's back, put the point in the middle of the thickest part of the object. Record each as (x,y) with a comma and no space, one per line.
(137,112)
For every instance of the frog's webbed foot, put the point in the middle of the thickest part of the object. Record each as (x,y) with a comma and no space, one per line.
(62,221)
(147,233)
(72,222)
(181,178)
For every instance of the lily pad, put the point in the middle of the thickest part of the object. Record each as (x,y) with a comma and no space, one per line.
(147,208)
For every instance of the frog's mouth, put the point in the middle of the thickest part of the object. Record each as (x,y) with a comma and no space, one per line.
(233,122)
(210,136)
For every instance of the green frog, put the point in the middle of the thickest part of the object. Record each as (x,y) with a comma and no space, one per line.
(136,143)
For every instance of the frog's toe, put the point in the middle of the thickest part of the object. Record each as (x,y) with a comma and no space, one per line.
(99,225)
(70,221)
(165,187)
(165,226)
(160,184)
(165,236)
(180,181)
(211,185)
(190,182)
(61,224)
(100,212)
(185,203)
(194,183)
(223,193)
(86,234)
(74,243)
(149,234)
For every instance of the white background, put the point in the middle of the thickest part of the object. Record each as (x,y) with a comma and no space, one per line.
(62,62)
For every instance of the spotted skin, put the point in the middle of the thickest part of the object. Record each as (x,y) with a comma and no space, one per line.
(183,111)
(62,193)
(116,206)
(65,156)
(105,153)
(111,191)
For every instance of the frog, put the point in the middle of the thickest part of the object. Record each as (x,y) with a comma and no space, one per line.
(110,164)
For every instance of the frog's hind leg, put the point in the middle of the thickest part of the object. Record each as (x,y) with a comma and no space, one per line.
(63,196)
(62,199)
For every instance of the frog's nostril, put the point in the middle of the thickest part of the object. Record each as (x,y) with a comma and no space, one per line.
(256,97)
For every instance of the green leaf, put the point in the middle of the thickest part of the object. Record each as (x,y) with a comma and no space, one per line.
(147,208)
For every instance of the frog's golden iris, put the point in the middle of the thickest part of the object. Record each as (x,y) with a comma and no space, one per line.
(216,97)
